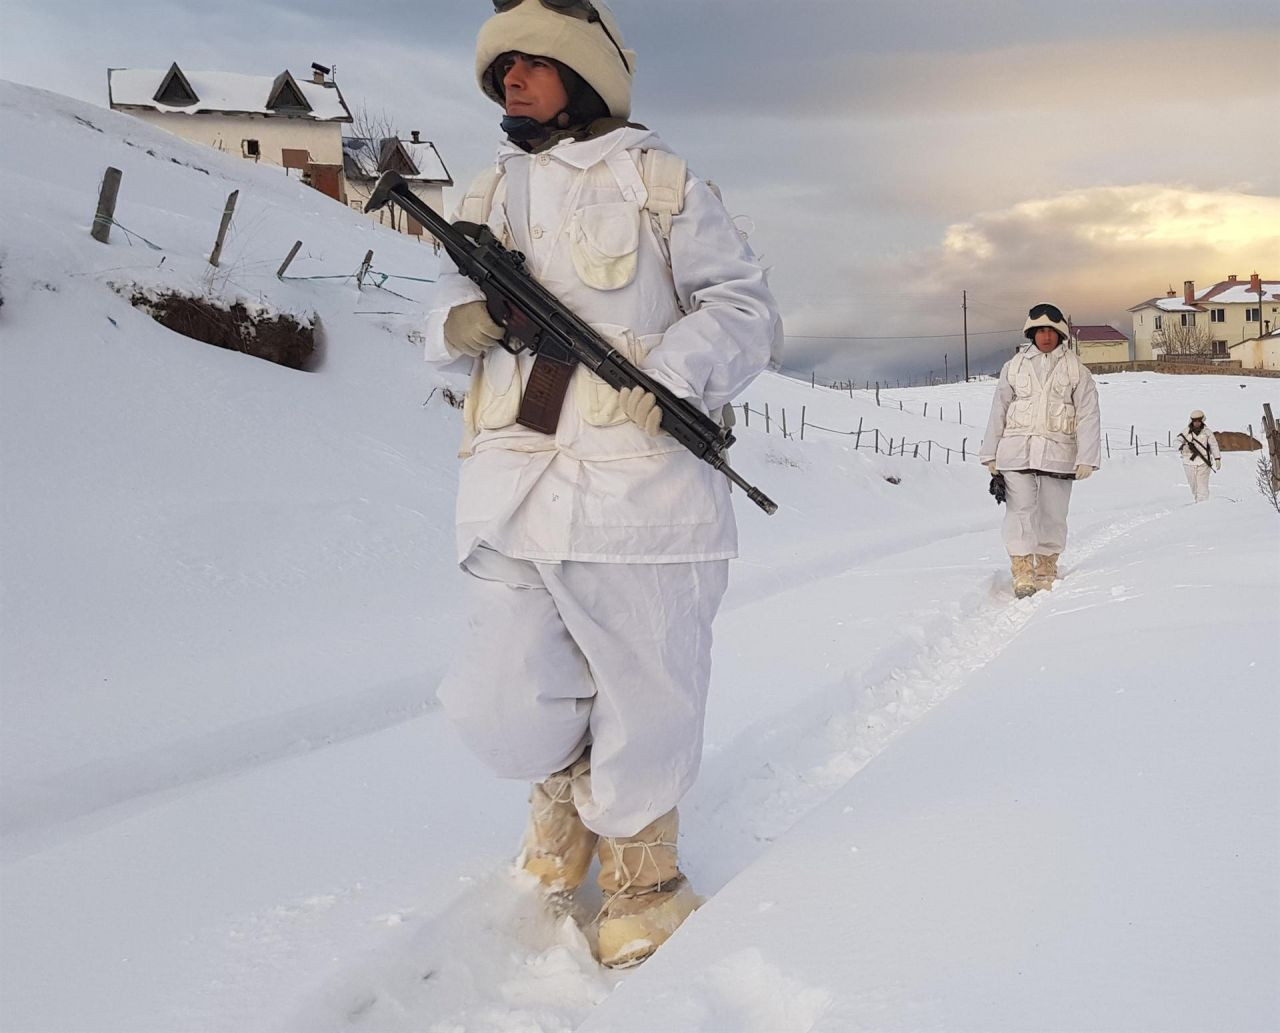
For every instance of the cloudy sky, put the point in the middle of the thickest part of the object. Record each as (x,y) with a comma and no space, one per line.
(885,157)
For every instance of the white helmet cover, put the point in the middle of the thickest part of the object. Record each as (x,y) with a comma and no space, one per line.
(1029,327)
(532,28)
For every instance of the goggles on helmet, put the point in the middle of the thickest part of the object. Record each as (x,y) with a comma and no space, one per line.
(584,10)
(1052,311)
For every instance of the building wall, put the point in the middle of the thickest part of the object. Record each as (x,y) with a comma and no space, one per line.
(1094,352)
(1144,325)
(274,134)
(1259,354)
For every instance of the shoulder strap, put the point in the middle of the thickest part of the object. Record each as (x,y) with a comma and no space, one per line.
(664,176)
(477,202)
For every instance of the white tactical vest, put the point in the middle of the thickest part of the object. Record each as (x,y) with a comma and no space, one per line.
(1044,410)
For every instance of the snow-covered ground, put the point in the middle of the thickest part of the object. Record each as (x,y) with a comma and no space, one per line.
(229,801)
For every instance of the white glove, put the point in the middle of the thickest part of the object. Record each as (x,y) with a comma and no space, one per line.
(992,469)
(641,408)
(1082,472)
(469,329)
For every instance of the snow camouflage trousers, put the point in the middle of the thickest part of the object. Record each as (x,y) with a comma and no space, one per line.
(565,654)
(1035,518)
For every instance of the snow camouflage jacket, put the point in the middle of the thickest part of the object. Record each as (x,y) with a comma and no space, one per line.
(1206,442)
(1044,415)
(601,489)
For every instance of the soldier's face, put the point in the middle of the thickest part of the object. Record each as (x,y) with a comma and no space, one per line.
(532,88)
(1046,338)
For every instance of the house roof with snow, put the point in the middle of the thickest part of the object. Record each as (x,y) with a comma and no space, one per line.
(1230,291)
(192,93)
(1104,334)
(416,160)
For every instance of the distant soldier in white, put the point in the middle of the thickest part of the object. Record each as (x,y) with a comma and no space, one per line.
(1043,435)
(597,545)
(1198,446)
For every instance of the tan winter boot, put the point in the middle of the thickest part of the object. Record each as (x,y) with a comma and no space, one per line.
(646,897)
(1046,572)
(1024,576)
(557,847)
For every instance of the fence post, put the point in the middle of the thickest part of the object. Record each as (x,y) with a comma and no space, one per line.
(850,388)
(1131,435)
(899,405)
(802,412)
(961,410)
(784,421)
(287,259)
(930,455)
(1135,446)
(877,441)
(813,379)
(1108,437)
(767,423)
(106,212)
(916,454)
(964,456)
(364,270)
(926,407)
(227,212)
(877,392)
(857,443)
(746,413)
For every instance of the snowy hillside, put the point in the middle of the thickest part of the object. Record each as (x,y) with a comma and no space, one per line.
(228,800)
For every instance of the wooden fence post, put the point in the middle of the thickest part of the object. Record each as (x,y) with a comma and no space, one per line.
(930,455)
(802,414)
(857,442)
(964,457)
(877,392)
(916,454)
(364,270)
(106,212)
(961,411)
(288,258)
(746,413)
(948,455)
(767,424)
(1131,435)
(877,441)
(1272,434)
(784,421)
(223,226)
(1108,437)
(926,410)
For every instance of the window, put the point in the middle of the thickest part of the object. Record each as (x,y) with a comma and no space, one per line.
(1159,322)
(1220,348)
(1253,315)
(1188,319)
(250,149)
(1217,315)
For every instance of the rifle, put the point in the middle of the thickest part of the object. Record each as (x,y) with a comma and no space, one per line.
(537,321)
(1193,445)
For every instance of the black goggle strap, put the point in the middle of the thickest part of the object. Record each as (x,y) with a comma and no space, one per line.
(583,9)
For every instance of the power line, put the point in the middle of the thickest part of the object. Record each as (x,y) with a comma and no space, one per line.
(908,337)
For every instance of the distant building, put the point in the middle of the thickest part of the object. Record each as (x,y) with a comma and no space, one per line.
(417,160)
(1229,312)
(1258,352)
(1099,344)
(295,124)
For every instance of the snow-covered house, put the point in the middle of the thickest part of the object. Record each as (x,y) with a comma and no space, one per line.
(417,160)
(1099,344)
(1232,310)
(293,123)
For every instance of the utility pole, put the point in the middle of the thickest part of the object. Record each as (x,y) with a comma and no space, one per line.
(965,295)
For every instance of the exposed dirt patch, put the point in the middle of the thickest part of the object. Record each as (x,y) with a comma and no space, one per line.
(1236,441)
(276,337)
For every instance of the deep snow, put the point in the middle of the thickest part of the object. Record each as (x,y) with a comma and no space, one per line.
(229,801)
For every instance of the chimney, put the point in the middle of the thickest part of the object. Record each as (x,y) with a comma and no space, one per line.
(414,133)
(1231,277)
(1170,293)
(1188,292)
(318,73)
(1255,283)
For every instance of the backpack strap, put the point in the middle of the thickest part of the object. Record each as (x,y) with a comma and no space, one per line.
(477,202)
(664,177)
